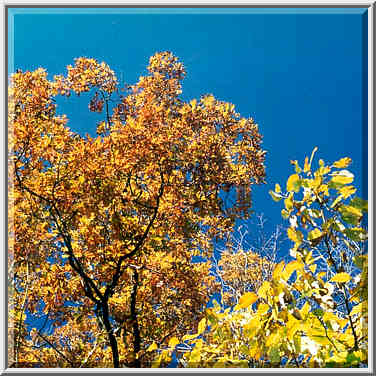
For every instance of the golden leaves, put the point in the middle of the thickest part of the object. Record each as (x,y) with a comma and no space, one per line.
(342,163)
(342,177)
(152,177)
(264,290)
(341,278)
(173,342)
(293,183)
(291,267)
(315,234)
(201,326)
(297,319)
(87,73)
(246,300)
(152,347)
(295,235)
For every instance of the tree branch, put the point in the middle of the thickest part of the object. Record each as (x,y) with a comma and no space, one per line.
(119,271)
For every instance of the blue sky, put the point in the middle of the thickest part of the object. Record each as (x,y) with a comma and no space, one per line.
(300,73)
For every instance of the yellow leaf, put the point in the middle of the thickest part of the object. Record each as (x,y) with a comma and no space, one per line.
(339,357)
(201,326)
(81,179)
(293,183)
(271,339)
(156,362)
(253,325)
(195,357)
(292,326)
(277,271)
(347,191)
(321,339)
(305,310)
(173,342)
(188,337)
(358,309)
(341,278)
(314,234)
(316,182)
(193,103)
(289,202)
(342,163)
(264,289)
(307,167)
(342,177)
(263,308)
(291,267)
(152,347)
(277,188)
(247,299)
(336,201)
(295,236)
(312,268)
(297,168)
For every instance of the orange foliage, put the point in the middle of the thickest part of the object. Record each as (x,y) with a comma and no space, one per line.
(111,223)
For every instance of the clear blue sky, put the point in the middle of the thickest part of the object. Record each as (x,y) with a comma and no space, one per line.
(300,73)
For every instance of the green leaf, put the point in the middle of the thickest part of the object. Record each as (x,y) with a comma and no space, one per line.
(352,359)
(244,349)
(274,355)
(359,261)
(297,343)
(314,213)
(212,317)
(357,234)
(333,185)
(350,214)
(318,312)
(359,203)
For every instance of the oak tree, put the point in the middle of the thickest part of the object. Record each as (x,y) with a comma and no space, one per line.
(102,230)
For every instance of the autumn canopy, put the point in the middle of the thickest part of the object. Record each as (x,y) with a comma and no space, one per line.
(114,239)
(102,230)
